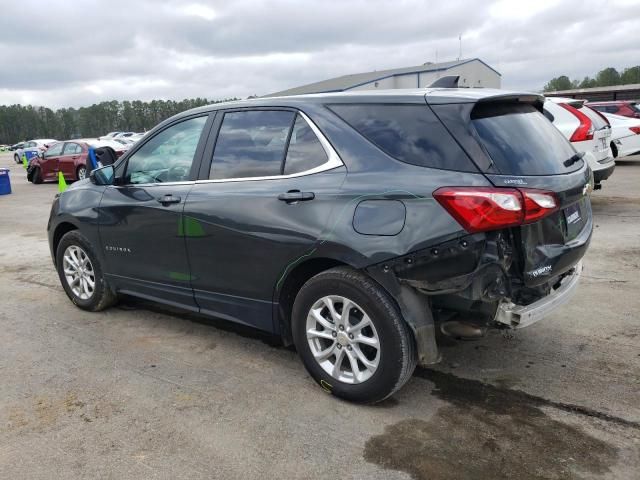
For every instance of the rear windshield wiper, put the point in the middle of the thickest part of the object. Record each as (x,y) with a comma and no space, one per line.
(574,159)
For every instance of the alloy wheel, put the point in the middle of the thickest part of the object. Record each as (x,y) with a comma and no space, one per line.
(82,173)
(78,272)
(343,339)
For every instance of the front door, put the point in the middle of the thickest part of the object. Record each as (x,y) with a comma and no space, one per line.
(141,226)
(50,161)
(271,188)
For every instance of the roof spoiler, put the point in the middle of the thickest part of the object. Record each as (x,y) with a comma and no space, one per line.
(534,99)
(449,81)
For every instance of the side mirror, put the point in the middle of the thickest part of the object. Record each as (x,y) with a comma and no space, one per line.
(103,176)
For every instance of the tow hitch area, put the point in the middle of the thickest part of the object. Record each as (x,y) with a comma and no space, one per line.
(520,316)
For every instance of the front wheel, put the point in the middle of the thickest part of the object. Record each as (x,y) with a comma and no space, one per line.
(81,273)
(16,158)
(36,176)
(351,337)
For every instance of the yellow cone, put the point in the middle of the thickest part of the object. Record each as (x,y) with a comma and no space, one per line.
(62,184)
(25,164)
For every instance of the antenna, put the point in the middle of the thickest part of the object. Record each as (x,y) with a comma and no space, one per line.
(460,51)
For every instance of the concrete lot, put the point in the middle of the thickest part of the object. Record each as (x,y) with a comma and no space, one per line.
(139,392)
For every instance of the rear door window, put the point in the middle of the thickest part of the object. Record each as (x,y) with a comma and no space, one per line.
(251,143)
(72,149)
(521,141)
(409,133)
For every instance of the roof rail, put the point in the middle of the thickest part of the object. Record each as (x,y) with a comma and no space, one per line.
(448,81)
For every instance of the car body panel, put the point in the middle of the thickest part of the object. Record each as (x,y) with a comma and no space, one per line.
(597,151)
(626,141)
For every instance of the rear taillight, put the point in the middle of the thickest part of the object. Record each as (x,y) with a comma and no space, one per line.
(635,130)
(585,129)
(479,209)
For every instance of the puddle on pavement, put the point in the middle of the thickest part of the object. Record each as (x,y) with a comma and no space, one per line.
(487,432)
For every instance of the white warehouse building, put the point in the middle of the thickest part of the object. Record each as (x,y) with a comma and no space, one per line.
(473,73)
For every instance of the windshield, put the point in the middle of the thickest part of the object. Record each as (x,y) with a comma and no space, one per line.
(522,141)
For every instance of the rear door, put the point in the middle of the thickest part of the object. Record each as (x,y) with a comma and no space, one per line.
(141,217)
(259,208)
(68,161)
(526,151)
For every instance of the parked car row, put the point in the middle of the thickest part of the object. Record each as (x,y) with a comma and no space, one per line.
(624,108)
(32,148)
(588,131)
(69,157)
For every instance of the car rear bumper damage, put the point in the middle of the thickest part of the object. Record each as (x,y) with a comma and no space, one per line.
(520,316)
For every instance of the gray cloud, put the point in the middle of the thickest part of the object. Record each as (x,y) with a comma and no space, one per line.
(78,53)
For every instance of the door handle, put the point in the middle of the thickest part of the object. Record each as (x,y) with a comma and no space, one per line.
(168,199)
(293,196)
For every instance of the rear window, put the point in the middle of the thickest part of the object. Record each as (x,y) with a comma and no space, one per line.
(598,121)
(409,133)
(521,141)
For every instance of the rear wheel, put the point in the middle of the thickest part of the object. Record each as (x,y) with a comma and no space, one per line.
(81,173)
(81,273)
(351,336)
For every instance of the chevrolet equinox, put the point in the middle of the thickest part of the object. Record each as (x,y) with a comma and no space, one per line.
(353,225)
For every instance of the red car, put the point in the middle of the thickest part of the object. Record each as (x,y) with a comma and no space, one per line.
(626,108)
(68,157)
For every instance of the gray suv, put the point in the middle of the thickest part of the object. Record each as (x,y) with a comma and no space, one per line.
(354,226)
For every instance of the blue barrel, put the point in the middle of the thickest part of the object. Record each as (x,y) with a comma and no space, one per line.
(30,154)
(5,182)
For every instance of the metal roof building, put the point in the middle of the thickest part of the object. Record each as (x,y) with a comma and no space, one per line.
(615,92)
(473,73)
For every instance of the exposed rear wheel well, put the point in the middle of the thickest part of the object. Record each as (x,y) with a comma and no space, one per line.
(292,285)
(61,230)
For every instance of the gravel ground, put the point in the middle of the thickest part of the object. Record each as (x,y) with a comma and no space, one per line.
(142,392)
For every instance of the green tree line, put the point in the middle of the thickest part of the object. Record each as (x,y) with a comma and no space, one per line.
(604,78)
(24,122)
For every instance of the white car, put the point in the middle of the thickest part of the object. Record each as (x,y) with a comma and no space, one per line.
(588,131)
(625,134)
(32,148)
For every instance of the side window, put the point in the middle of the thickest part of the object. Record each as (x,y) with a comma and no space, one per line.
(54,150)
(168,156)
(251,144)
(72,149)
(305,150)
(410,133)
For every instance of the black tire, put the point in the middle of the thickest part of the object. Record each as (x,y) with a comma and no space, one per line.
(37,176)
(80,168)
(16,158)
(102,296)
(397,352)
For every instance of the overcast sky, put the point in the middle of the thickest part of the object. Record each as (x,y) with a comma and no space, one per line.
(72,53)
